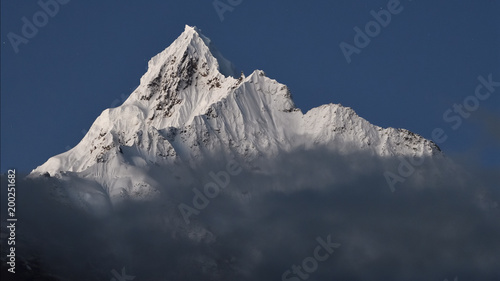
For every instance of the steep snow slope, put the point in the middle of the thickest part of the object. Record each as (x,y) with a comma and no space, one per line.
(190,106)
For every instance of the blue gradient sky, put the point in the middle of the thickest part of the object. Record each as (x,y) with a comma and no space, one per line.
(91,54)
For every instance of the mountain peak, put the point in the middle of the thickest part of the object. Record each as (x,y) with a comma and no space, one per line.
(189,107)
(192,30)
(193,44)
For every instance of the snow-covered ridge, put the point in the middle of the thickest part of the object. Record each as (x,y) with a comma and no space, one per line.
(190,105)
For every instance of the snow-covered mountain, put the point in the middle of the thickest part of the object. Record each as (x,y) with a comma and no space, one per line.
(147,193)
(190,106)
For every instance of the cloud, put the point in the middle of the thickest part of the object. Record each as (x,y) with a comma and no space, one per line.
(441,222)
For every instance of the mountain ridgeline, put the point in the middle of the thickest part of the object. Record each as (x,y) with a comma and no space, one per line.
(190,106)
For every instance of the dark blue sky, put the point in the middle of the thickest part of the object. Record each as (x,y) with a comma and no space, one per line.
(91,54)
